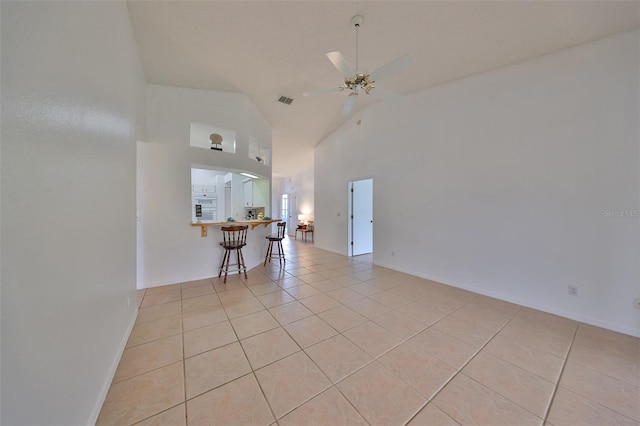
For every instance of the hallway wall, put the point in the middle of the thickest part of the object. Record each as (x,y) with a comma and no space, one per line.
(72,103)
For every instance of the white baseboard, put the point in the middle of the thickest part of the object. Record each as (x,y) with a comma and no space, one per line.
(143,286)
(112,371)
(331,251)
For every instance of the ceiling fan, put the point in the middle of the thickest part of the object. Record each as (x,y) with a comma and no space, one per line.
(358,81)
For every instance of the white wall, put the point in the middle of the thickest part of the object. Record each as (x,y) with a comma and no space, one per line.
(276,194)
(170,250)
(502,182)
(303,186)
(72,86)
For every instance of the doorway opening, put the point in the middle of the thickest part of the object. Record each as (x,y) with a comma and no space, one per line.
(284,207)
(360,195)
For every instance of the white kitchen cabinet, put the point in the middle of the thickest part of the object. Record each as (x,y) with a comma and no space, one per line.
(203,189)
(261,193)
(248,193)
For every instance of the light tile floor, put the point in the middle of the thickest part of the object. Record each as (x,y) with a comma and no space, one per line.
(331,340)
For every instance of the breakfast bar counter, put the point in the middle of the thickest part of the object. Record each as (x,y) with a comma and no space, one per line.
(254,250)
(251,223)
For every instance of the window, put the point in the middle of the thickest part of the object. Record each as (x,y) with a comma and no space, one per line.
(284,207)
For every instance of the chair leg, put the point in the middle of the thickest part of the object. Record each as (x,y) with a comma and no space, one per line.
(268,255)
(221,268)
(226,269)
(278,254)
(244,267)
(281,252)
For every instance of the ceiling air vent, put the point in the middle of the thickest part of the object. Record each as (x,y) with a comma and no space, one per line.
(285,100)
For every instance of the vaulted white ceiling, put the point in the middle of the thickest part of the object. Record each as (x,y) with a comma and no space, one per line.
(270,48)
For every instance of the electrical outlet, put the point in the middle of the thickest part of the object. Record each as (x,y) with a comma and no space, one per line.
(393,253)
(573,290)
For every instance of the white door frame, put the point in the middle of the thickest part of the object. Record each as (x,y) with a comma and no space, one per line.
(360,224)
(292,219)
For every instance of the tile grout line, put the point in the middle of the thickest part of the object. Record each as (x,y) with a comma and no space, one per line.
(349,402)
(510,363)
(459,371)
(281,326)
(182,331)
(160,412)
(184,357)
(333,385)
(253,371)
(314,363)
(375,359)
(564,364)
(452,377)
(228,344)
(366,364)
(184,360)
(184,375)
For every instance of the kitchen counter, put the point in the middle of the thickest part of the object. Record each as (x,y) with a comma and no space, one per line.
(251,223)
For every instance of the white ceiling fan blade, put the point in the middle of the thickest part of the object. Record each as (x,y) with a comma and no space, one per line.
(348,105)
(392,67)
(339,62)
(322,91)
(384,94)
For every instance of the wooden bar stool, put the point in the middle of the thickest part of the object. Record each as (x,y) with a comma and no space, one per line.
(233,238)
(277,238)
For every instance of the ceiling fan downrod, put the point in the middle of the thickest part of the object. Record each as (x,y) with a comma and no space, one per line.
(360,80)
(357,21)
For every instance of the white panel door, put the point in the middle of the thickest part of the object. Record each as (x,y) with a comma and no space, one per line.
(361,217)
(291,215)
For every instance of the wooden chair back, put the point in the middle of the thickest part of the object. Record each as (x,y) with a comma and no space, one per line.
(234,236)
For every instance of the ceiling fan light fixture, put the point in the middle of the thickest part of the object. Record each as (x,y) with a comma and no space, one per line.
(359,80)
